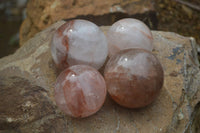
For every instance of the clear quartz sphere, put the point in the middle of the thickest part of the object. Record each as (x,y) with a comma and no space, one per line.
(80,91)
(129,33)
(134,77)
(79,42)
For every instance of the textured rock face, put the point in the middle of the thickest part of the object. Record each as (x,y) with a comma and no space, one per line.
(41,14)
(27,81)
(134,77)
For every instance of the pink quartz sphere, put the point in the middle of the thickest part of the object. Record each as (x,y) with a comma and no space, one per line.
(79,42)
(80,91)
(134,77)
(129,33)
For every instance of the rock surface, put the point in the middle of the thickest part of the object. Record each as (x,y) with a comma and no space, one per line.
(41,14)
(27,80)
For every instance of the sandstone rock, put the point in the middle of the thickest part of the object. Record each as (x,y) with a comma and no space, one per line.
(27,104)
(41,14)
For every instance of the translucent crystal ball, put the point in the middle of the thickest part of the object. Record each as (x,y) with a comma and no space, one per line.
(80,91)
(79,42)
(134,77)
(129,33)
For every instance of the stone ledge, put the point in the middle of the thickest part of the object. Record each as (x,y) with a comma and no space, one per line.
(27,103)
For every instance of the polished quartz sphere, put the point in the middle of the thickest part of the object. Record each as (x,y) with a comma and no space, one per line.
(129,33)
(79,42)
(80,91)
(134,77)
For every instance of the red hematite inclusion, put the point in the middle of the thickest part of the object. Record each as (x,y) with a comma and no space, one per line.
(80,91)
(134,78)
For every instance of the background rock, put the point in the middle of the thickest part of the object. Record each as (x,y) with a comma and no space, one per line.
(27,81)
(41,14)
(11,16)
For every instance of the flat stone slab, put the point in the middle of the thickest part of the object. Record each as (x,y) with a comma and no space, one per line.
(27,102)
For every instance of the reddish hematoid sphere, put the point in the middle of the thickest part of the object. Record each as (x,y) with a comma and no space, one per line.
(129,33)
(134,77)
(80,91)
(79,42)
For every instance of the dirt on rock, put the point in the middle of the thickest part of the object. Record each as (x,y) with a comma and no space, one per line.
(175,16)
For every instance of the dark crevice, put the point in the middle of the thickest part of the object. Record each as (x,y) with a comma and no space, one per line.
(41,7)
(148,18)
(74,2)
(196,121)
(46,20)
